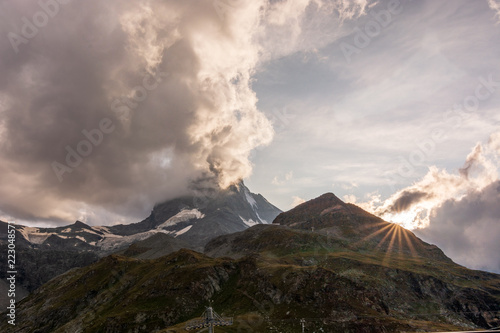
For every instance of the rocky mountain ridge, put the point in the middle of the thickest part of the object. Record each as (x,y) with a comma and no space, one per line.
(194,219)
(186,222)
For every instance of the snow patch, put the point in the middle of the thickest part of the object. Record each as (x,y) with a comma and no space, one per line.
(250,199)
(253,204)
(112,236)
(26,231)
(101,229)
(115,241)
(89,231)
(183,231)
(81,238)
(261,219)
(33,235)
(249,223)
(182,216)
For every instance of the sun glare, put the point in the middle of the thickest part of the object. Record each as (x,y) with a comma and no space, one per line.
(415,218)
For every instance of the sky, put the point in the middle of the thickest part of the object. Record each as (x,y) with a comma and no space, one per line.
(108,107)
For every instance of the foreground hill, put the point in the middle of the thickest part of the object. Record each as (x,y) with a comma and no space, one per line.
(345,276)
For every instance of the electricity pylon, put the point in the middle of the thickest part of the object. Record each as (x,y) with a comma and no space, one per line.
(209,319)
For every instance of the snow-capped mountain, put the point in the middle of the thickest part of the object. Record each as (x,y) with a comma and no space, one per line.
(192,219)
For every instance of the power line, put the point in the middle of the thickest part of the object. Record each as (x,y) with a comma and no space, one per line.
(209,319)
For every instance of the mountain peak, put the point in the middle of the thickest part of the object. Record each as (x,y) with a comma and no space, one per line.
(326,203)
(328,195)
(329,215)
(327,211)
(208,213)
(80,225)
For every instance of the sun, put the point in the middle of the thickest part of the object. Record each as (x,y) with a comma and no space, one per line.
(417,217)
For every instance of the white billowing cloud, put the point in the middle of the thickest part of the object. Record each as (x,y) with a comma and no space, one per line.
(412,206)
(277,181)
(374,201)
(296,201)
(350,198)
(459,212)
(495,6)
(494,142)
(349,186)
(351,9)
(305,25)
(467,229)
(288,12)
(170,80)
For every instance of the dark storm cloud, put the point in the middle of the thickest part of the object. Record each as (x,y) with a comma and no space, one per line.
(472,160)
(458,212)
(406,200)
(468,229)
